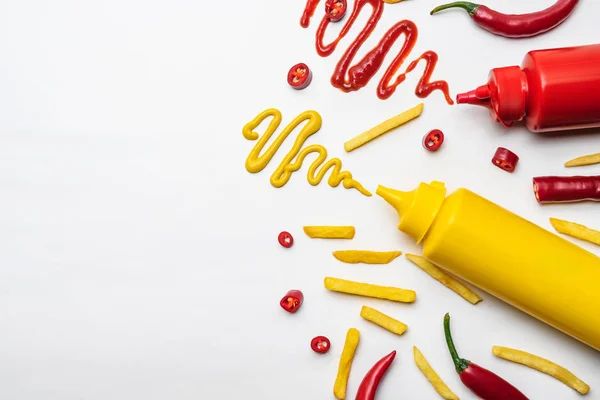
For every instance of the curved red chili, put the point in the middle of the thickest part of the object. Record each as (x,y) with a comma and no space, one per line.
(484,383)
(335,9)
(285,239)
(505,159)
(299,76)
(292,301)
(433,140)
(320,344)
(515,25)
(566,189)
(370,383)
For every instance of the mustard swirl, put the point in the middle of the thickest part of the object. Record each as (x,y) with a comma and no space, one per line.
(293,160)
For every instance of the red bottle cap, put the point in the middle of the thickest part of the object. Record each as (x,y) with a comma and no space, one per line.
(505,95)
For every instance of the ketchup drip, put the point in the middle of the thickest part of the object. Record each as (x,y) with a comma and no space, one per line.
(348,78)
(309,11)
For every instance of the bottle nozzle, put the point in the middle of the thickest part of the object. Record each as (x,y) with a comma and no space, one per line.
(417,209)
(478,97)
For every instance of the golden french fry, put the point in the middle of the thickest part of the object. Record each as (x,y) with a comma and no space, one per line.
(330,232)
(368,290)
(585,160)
(384,321)
(382,128)
(341,381)
(542,365)
(437,382)
(444,278)
(366,257)
(577,231)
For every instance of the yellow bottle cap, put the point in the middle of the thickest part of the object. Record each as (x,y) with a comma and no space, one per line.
(417,209)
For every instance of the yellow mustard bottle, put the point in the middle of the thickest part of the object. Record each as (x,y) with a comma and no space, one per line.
(509,257)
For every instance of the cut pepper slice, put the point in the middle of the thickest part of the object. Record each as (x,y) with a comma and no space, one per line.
(299,76)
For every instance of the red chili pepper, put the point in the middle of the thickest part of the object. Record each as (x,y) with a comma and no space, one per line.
(505,159)
(368,387)
(515,25)
(320,344)
(299,76)
(292,301)
(335,9)
(484,383)
(433,140)
(285,239)
(566,189)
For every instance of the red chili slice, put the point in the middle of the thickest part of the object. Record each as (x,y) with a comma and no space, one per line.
(335,9)
(320,344)
(285,239)
(433,140)
(292,301)
(505,159)
(299,76)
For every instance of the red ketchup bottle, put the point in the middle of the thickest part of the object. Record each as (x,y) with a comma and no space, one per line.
(554,90)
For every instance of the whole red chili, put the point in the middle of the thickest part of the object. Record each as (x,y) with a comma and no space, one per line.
(335,9)
(505,159)
(285,239)
(320,344)
(299,76)
(566,189)
(292,301)
(484,383)
(515,25)
(433,140)
(368,387)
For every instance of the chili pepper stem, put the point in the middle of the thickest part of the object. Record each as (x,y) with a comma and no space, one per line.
(471,8)
(459,363)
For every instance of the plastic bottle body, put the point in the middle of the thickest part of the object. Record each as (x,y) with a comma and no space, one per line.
(563,88)
(515,260)
(554,90)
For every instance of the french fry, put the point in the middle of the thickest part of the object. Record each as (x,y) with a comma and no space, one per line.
(341,381)
(368,290)
(384,321)
(382,128)
(542,365)
(585,160)
(444,278)
(576,230)
(366,257)
(330,232)
(437,382)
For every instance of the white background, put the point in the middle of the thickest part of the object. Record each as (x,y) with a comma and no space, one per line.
(138,258)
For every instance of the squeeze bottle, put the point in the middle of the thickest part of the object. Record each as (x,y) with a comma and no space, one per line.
(509,257)
(554,90)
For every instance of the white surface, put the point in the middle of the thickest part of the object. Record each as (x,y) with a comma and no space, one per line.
(138,258)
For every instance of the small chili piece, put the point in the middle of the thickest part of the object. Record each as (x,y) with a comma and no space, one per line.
(433,140)
(566,189)
(515,25)
(482,382)
(335,9)
(370,383)
(299,76)
(505,159)
(285,239)
(320,344)
(292,301)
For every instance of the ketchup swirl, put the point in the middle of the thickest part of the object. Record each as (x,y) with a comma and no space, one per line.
(348,77)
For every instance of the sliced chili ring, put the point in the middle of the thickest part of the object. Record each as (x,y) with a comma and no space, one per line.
(335,9)
(320,344)
(299,76)
(292,301)
(433,140)
(285,239)
(505,159)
